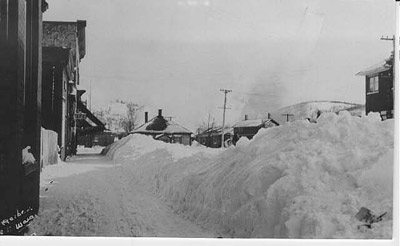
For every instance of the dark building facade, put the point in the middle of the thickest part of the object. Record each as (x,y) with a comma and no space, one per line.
(20,109)
(379,89)
(63,48)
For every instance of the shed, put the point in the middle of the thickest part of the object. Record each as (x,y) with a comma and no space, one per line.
(379,88)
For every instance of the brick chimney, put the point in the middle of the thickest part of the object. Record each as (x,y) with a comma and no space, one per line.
(269,116)
(246,117)
(146,117)
(160,113)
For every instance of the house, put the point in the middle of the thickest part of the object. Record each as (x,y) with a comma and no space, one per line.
(63,48)
(212,137)
(20,109)
(248,128)
(379,88)
(165,130)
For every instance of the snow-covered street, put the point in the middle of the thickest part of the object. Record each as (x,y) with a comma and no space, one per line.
(298,180)
(92,196)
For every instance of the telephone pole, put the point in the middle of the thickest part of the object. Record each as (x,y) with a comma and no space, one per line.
(395,42)
(225,91)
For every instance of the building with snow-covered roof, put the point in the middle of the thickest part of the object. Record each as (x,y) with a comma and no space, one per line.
(165,130)
(379,88)
(249,127)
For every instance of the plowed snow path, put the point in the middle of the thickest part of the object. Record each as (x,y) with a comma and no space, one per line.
(92,196)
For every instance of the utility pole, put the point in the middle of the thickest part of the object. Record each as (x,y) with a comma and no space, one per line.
(225,91)
(395,42)
(287,116)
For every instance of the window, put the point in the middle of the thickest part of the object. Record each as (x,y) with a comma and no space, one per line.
(373,85)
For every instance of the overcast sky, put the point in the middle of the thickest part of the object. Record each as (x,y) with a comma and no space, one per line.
(177,54)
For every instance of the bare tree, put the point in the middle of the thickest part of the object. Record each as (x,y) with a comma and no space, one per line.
(129,122)
(115,121)
(209,126)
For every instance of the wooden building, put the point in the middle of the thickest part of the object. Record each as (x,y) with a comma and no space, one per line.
(20,108)
(165,130)
(89,129)
(212,137)
(103,138)
(379,89)
(63,48)
(248,128)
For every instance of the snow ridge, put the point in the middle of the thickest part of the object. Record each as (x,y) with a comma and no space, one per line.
(298,180)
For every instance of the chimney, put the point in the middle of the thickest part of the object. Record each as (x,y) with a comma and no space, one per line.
(160,113)
(246,117)
(269,116)
(146,117)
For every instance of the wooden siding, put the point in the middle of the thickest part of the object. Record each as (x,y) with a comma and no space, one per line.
(20,107)
(382,100)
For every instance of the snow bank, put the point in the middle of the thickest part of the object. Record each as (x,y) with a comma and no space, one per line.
(136,145)
(299,180)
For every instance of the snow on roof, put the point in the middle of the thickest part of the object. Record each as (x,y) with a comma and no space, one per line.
(172,127)
(380,67)
(249,123)
(252,123)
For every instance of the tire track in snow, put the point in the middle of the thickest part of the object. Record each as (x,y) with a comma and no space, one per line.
(107,202)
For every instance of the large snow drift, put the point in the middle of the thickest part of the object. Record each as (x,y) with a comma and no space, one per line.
(299,180)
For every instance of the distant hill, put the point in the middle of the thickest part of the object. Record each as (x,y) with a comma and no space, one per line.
(310,110)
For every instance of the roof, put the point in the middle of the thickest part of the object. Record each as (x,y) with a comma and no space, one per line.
(254,123)
(249,123)
(171,128)
(378,68)
(90,123)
